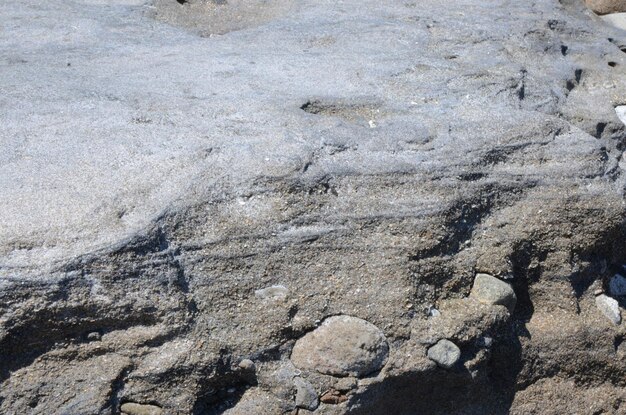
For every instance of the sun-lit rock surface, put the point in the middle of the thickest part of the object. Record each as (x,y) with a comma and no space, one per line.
(191,188)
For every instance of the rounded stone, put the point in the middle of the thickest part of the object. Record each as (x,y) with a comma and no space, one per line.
(445,353)
(132,408)
(606,6)
(342,346)
(490,290)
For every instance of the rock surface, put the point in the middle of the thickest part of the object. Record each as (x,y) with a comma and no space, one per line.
(342,346)
(160,163)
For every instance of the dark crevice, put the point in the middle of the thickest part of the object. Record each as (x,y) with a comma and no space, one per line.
(526,263)
(471,177)
(521,86)
(116,389)
(461,220)
(155,241)
(572,83)
(521,91)
(578,74)
(223,388)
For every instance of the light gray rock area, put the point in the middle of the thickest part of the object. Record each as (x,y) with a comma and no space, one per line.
(242,206)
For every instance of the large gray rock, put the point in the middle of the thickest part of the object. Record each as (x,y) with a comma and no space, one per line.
(160,163)
(342,346)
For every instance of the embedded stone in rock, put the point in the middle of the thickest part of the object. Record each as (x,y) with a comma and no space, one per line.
(490,290)
(342,346)
(606,6)
(209,17)
(609,307)
(445,353)
(131,408)
(247,365)
(617,285)
(306,396)
(275,292)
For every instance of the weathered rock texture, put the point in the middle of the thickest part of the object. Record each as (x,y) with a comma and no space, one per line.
(189,190)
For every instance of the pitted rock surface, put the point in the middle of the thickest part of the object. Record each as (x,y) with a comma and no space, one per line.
(342,346)
(189,185)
